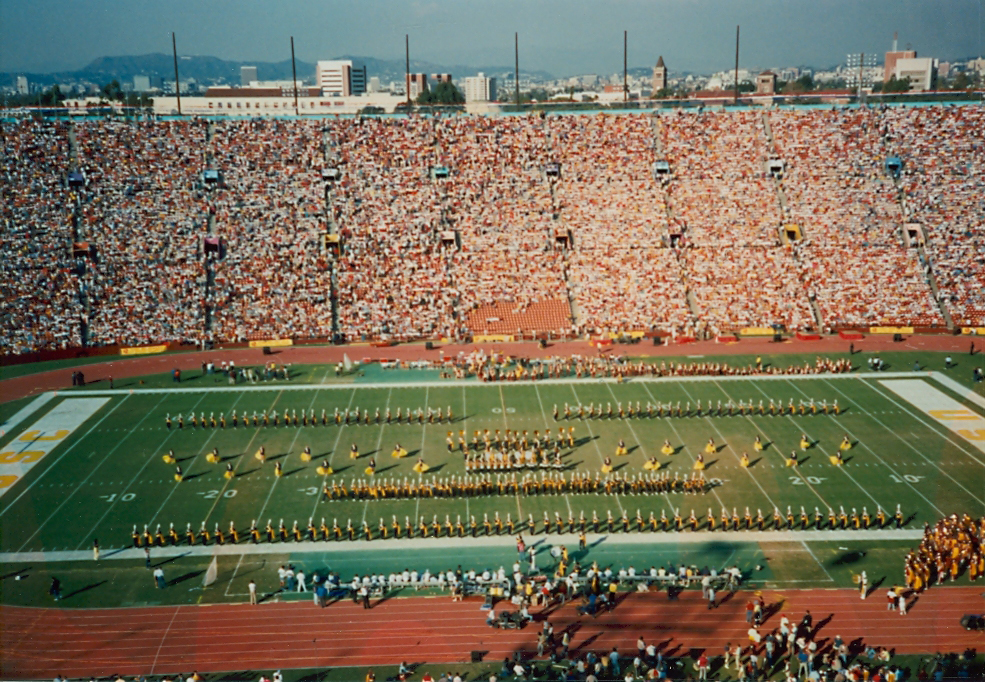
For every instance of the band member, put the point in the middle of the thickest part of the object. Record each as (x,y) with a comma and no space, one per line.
(667,448)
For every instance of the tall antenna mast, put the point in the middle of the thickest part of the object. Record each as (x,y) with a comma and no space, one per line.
(177,85)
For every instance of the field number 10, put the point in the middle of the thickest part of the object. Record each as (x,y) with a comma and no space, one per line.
(125,497)
(906,478)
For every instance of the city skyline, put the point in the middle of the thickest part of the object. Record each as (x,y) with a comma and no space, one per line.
(564,38)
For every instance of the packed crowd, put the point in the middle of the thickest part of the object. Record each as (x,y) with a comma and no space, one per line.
(943,181)
(42,309)
(439,217)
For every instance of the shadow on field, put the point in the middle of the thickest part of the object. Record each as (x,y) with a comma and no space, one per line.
(22,573)
(183,578)
(90,586)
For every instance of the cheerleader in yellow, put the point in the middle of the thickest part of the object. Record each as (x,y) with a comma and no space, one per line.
(792,459)
(758,444)
(371,469)
(667,448)
(169,457)
(398,451)
(846,444)
(179,475)
(744,460)
(261,455)
(229,473)
(805,442)
(354,451)
(699,463)
(278,469)
(710,447)
(836,459)
(213,457)
(651,464)
(621,448)
(607,465)
(420,466)
(324,469)
(306,454)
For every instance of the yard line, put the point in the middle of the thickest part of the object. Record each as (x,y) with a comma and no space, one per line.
(596,443)
(543,413)
(245,457)
(62,456)
(636,438)
(174,488)
(331,456)
(746,469)
(126,489)
(91,472)
(933,426)
(677,435)
(770,440)
(233,576)
(804,478)
(907,444)
(814,556)
(297,432)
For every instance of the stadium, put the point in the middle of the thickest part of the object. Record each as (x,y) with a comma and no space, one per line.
(509,391)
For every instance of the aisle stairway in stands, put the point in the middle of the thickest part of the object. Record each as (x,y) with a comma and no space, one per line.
(79,234)
(331,226)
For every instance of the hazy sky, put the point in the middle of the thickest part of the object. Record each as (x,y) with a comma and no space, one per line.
(564,37)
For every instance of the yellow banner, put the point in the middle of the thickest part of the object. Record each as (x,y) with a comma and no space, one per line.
(144,350)
(756,331)
(622,335)
(973,330)
(485,338)
(272,343)
(890,330)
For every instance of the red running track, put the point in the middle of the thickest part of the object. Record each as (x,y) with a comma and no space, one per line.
(120,368)
(42,642)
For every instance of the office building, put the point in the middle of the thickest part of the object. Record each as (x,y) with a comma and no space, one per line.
(480,89)
(416,84)
(441,77)
(247,74)
(374,85)
(922,72)
(766,83)
(22,86)
(339,78)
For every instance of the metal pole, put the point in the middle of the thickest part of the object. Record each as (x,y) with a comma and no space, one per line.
(516,72)
(177,84)
(407,66)
(294,74)
(736,64)
(625,86)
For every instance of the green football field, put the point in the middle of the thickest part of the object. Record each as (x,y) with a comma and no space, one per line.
(108,475)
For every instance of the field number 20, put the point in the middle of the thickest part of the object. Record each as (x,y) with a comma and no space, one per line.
(906,478)
(813,480)
(213,494)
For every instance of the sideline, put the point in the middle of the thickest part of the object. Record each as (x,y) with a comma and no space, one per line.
(308,547)
(280,385)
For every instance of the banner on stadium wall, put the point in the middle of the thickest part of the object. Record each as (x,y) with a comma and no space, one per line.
(980,331)
(890,330)
(632,335)
(485,338)
(273,343)
(144,350)
(756,331)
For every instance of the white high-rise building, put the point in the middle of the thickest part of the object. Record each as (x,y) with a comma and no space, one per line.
(480,88)
(22,87)
(247,74)
(339,78)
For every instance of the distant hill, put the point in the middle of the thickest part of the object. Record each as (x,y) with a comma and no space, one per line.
(208,70)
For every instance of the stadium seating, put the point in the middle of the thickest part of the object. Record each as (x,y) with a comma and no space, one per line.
(500,245)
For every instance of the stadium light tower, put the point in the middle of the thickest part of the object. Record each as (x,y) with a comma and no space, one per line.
(860,72)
